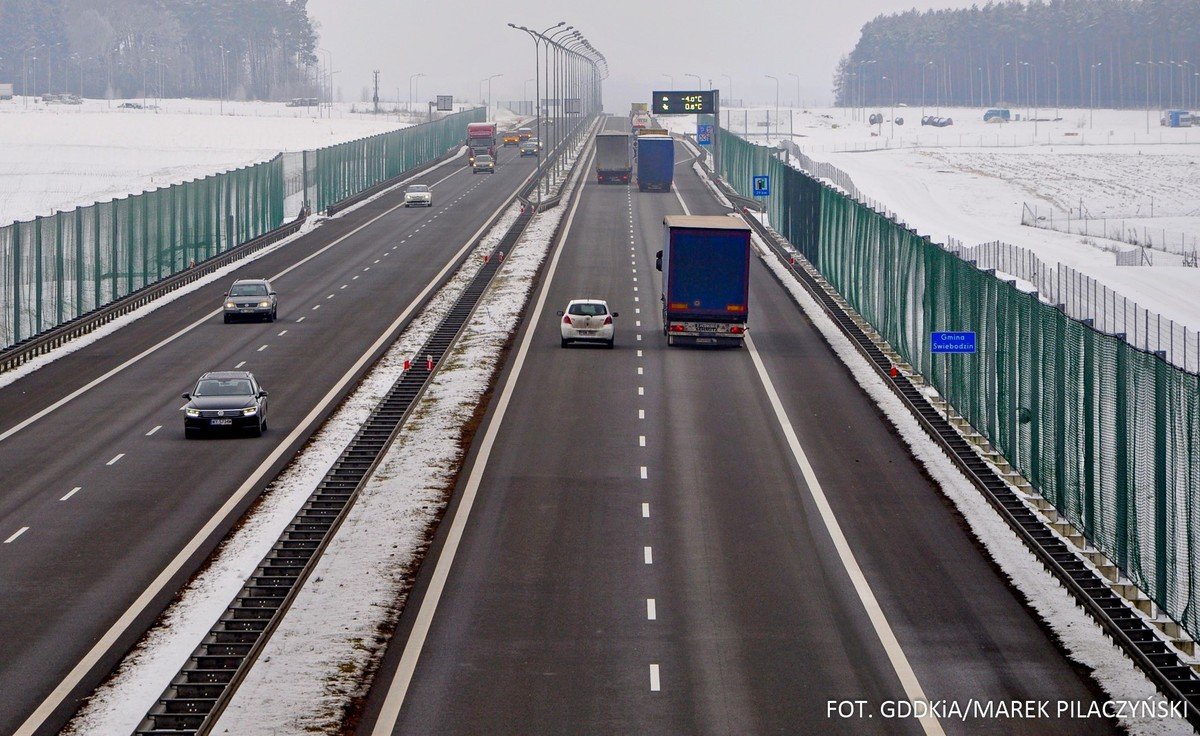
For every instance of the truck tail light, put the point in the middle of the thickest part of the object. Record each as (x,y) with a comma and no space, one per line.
(735,330)
(676,328)
(608,320)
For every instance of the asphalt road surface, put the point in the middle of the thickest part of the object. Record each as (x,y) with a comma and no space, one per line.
(646,552)
(102,496)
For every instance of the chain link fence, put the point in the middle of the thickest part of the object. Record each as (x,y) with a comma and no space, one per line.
(1106,430)
(1132,231)
(54,269)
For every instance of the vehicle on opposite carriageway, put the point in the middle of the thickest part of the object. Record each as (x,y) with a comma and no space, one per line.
(251,299)
(225,401)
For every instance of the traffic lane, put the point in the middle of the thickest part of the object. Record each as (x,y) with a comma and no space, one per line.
(527,637)
(33,392)
(966,631)
(90,533)
(968,634)
(305,291)
(760,598)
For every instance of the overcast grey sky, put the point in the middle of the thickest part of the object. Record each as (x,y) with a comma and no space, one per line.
(456,43)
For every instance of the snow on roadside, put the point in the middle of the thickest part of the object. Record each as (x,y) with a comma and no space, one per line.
(327,648)
(119,704)
(1082,638)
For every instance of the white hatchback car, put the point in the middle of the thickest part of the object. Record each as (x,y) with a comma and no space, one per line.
(587,320)
(418,195)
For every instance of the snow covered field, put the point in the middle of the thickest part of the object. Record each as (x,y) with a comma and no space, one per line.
(970,181)
(57,157)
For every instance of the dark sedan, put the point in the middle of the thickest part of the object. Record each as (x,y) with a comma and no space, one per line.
(225,401)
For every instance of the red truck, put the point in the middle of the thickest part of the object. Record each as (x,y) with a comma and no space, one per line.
(481,138)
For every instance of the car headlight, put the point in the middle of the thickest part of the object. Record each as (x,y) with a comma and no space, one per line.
(230,305)
(250,412)
(192,412)
(264,304)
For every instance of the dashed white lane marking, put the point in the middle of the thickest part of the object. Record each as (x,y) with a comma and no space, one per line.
(643,472)
(264,347)
(648,555)
(641,413)
(640,369)
(377,260)
(641,390)
(330,296)
(13,538)
(635,279)
(316,307)
(151,432)
(639,337)
(368,268)
(636,299)
(637,310)
(639,353)
(645,511)
(281,334)
(641,440)
(387,253)
(116,459)
(637,323)
(239,365)
(887,638)
(343,286)
(655,685)
(71,492)
(354,277)
(300,320)
(651,610)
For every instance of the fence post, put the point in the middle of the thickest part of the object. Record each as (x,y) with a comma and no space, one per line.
(38,275)
(1121,532)
(1162,583)
(16,293)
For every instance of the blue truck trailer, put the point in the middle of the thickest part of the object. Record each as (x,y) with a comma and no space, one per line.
(655,163)
(705,264)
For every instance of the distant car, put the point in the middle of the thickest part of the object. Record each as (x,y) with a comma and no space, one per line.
(525,133)
(511,138)
(587,320)
(418,195)
(225,401)
(529,147)
(251,298)
(937,122)
(129,106)
(484,164)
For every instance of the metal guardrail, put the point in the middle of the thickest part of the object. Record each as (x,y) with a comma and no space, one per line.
(1173,677)
(201,690)
(21,352)
(198,694)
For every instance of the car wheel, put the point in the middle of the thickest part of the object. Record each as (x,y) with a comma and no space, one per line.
(257,430)
(274,315)
(565,341)
(191,434)
(609,343)
(228,319)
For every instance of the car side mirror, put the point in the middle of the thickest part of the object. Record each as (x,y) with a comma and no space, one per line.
(271,293)
(615,315)
(186,397)
(658,260)
(559,313)
(263,393)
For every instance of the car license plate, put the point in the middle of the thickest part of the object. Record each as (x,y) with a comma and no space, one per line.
(247,310)
(587,332)
(220,422)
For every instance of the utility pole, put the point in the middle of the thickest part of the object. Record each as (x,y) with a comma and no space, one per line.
(375,98)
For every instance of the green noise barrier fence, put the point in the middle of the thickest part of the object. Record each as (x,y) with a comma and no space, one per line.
(1108,433)
(56,268)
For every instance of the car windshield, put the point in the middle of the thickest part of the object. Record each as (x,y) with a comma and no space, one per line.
(419,188)
(483,159)
(223,387)
(248,290)
(588,310)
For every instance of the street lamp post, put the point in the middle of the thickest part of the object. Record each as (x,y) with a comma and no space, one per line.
(414,80)
(489,97)
(862,85)
(525,94)
(776,79)
(1033,76)
(1092,112)
(1146,65)
(892,113)
(797,76)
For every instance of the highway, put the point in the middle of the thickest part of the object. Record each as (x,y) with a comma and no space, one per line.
(106,509)
(694,541)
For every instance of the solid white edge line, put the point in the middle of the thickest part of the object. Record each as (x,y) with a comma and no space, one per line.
(166,341)
(13,538)
(398,688)
(891,646)
(105,642)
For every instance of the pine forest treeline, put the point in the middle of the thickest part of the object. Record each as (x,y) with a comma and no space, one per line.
(1068,53)
(256,49)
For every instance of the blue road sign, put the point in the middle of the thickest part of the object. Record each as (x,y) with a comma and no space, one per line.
(704,134)
(762,185)
(952,342)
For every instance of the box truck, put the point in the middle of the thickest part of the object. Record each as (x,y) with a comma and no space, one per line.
(705,264)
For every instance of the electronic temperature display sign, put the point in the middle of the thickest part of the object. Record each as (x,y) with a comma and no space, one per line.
(701,102)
